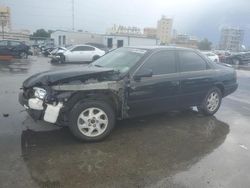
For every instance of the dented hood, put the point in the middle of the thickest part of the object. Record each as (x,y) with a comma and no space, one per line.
(49,78)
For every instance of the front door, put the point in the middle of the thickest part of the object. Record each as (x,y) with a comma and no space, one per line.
(157,93)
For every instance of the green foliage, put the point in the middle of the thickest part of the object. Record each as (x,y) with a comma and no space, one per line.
(41,33)
(204,44)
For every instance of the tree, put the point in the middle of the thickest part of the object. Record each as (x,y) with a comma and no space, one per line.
(205,44)
(41,33)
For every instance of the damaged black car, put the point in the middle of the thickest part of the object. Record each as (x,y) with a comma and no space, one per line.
(125,83)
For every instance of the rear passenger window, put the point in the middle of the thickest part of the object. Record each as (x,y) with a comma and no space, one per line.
(83,48)
(161,63)
(190,61)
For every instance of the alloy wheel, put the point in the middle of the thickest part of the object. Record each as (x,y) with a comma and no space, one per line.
(213,101)
(92,122)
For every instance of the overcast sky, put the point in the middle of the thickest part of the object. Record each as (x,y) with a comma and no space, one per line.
(202,18)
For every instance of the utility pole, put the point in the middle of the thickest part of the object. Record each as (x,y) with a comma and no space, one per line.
(73,15)
(3,23)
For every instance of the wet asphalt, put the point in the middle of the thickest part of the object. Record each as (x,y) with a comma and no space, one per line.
(175,149)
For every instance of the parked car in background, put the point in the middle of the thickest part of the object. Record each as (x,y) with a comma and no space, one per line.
(212,56)
(99,46)
(81,53)
(57,51)
(125,83)
(47,51)
(222,54)
(14,48)
(240,58)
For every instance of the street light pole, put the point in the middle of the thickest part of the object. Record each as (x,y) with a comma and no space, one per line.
(3,23)
(2,30)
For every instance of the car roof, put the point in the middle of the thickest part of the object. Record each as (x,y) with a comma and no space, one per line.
(160,47)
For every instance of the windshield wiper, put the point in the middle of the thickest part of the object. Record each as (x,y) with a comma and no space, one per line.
(98,66)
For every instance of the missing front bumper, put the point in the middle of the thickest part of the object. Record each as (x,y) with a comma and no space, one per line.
(49,114)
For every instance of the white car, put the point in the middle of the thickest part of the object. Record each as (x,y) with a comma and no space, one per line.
(82,53)
(212,56)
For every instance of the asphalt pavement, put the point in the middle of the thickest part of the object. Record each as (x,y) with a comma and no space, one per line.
(175,149)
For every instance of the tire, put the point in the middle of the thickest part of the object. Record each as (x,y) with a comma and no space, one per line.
(211,102)
(95,57)
(87,127)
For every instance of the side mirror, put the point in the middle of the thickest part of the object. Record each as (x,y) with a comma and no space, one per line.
(143,73)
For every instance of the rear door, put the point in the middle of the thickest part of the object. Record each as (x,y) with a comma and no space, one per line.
(196,78)
(159,92)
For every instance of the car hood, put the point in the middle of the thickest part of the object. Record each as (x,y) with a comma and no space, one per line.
(81,74)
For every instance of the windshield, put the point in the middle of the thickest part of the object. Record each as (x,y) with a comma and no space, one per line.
(121,59)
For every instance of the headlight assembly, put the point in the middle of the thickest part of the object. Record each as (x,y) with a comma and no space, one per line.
(39,92)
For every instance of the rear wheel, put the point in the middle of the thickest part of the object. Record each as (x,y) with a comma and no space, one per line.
(211,103)
(92,120)
(23,55)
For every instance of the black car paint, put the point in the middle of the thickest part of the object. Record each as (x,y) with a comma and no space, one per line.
(81,74)
(14,51)
(138,97)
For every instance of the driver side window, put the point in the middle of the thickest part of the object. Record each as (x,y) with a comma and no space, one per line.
(162,62)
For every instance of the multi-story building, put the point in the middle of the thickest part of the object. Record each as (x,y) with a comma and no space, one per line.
(164,29)
(5,19)
(184,40)
(231,39)
(150,32)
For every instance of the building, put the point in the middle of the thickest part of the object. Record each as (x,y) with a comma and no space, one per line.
(66,38)
(119,29)
(5,19)
(21,35)
(184,40)
(119,40)
(150,32)
(164,29)
(231,39)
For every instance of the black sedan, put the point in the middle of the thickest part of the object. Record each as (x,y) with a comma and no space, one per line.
(14,48)
(125,83)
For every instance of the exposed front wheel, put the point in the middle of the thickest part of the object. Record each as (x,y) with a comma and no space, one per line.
(212,101)
(92,120)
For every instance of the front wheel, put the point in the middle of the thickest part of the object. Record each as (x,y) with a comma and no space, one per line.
(92,120)
(23,55)
(212,102)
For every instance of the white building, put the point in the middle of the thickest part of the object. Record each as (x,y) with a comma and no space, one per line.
(5,18)
(118,40)
(231,39)
(125,30)
(21,35)
(65,38)
(164,29)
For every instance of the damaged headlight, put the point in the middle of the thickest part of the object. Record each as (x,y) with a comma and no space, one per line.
(39,92)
